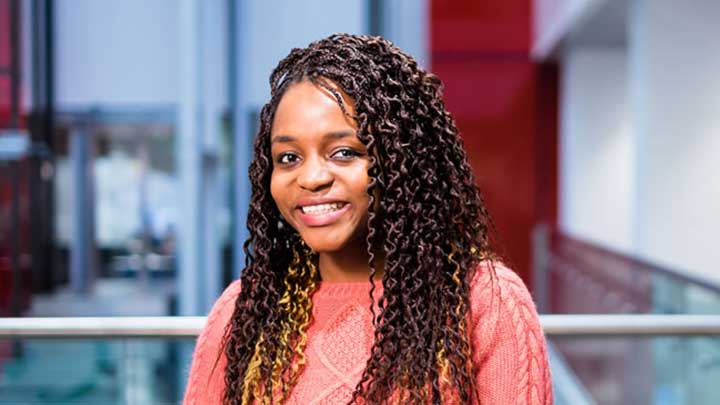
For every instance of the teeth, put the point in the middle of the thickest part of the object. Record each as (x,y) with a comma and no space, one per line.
(321,208)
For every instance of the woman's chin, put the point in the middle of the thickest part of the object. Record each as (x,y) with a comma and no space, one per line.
(324,246)
(325,242)
(335,239)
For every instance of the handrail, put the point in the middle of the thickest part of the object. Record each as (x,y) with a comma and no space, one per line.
(630,325)
(190,326)
(103,327)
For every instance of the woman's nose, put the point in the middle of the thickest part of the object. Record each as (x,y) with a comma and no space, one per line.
(314,175)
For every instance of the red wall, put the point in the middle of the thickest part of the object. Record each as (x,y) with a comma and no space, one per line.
(505,107)
(10,237)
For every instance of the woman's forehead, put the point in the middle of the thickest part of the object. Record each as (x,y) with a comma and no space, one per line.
(308,107)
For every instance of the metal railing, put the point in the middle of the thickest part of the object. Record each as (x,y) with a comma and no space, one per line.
(630,325)
(190,327)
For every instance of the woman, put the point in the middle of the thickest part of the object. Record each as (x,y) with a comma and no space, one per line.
(369,275)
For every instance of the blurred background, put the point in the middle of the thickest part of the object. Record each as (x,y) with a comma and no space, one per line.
(126,130)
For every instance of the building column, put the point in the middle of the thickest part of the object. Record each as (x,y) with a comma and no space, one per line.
(200,108)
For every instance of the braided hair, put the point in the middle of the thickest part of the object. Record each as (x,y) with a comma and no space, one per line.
(426,218)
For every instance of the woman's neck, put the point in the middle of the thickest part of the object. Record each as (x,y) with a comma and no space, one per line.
(339,267)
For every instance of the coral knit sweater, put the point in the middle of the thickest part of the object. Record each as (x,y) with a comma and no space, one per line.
(508,344)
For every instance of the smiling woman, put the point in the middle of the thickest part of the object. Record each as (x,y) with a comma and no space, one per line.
(370,276)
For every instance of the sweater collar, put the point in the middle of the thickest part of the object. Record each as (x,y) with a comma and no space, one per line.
(354,289)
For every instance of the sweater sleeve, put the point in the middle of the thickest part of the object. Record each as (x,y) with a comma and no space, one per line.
(206,382)
(509,346)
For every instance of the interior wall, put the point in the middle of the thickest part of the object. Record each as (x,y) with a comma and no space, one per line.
(676,93)
(596,144)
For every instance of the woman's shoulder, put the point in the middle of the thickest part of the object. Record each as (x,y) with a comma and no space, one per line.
(220,315)
(499,296)
(223,308)
(205,386)
(508,343)
(493,282)
(227,297)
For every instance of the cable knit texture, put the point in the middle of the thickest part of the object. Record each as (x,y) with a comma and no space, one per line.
(508,344)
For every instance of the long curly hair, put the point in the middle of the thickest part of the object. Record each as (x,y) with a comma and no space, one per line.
(426,219)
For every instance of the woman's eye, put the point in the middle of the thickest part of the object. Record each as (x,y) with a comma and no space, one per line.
(286,158)
(345,153)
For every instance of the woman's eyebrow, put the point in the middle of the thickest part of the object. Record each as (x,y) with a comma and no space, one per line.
(282,139)
(340,134)
(333,135)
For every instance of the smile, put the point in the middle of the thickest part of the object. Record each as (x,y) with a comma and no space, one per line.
(321,208)
(322,214)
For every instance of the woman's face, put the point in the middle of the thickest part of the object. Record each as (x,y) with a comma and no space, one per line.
(319,176)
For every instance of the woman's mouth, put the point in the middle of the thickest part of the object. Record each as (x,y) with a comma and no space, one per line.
(322,214)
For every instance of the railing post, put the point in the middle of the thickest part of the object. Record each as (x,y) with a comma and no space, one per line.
(82,246)
(540,270)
